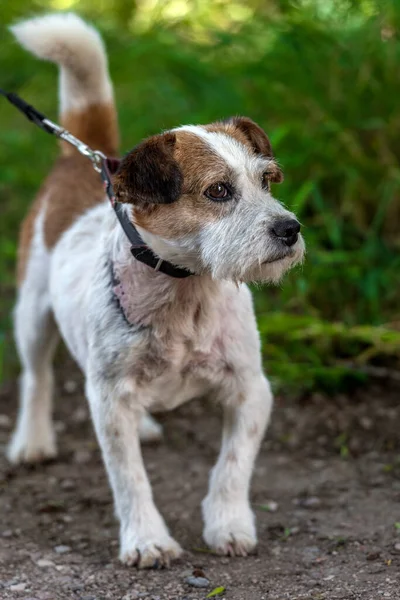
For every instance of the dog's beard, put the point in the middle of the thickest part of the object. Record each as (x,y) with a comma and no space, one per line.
(257,263)
(268,268)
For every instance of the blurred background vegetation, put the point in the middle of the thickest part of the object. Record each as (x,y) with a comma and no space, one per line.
(323,78)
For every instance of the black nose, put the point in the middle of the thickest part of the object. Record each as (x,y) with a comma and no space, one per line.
(287,230)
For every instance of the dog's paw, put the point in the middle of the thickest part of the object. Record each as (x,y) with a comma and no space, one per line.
(31,448)
(149,430)
(229,530)
(151,554)
(231,542)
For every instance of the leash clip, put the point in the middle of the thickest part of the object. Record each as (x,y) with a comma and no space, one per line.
(95,156)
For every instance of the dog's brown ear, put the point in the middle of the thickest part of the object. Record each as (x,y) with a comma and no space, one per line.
(258,140)
(255,135)
(149,174)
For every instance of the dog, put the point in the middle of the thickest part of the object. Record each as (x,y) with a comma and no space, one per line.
(146,341)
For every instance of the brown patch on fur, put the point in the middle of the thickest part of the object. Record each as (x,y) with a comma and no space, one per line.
(230,129)
(200,167)
(71,188)
(96,126)
(245,131)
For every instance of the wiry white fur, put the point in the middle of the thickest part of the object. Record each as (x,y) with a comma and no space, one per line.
(78,49)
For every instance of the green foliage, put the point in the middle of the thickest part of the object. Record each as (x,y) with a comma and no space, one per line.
(321,76)
(304,352)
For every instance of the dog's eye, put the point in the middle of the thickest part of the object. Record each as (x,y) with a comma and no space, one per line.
(218,191)
(266,180)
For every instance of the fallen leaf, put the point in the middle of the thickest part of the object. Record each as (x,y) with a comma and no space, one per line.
(216,592)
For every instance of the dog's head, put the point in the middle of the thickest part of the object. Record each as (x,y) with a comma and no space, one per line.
(200,197)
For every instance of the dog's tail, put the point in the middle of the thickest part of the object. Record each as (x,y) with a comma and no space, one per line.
(86,96)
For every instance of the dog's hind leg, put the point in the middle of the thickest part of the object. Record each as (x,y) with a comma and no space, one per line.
(36,337)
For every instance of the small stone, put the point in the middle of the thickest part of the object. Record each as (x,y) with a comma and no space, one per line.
(18,587)
(5,422)
(397,547)
(294,530)
(75,587)
(309,502)
(366,423)
(61,549)
(7,533)
(67,518)
(82,457)
(68,484)
(199,582)
(70,386)
(80,415)
(59,426)
(43,562)
(10,582)
(373,555)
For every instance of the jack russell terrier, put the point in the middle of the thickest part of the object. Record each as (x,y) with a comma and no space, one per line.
(149,339)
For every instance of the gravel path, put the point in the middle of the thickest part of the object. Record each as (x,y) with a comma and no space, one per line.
(326,491)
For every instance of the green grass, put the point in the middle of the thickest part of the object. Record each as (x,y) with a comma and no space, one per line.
(322,78)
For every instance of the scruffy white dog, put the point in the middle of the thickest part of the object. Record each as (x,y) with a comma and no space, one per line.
(200,198)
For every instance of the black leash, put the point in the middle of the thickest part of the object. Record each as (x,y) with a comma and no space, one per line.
(105,167)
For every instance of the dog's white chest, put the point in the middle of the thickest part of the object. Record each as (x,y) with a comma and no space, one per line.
(166,376)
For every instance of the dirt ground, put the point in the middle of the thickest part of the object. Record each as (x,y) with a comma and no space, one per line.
(329,473)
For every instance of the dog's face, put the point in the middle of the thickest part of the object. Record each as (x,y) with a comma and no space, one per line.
(200,196)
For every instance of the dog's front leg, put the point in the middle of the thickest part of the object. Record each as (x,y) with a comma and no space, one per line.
(144,537)
(229,526)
